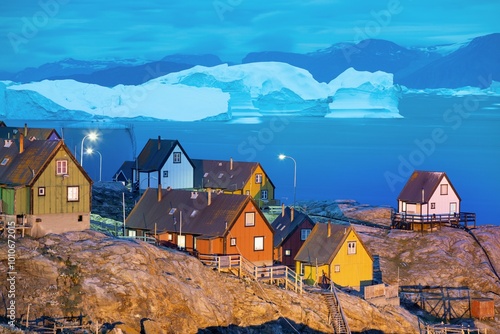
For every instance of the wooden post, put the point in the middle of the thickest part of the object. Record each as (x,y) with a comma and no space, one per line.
(28,316)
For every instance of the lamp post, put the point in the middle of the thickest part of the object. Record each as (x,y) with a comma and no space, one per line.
(282,157)
(91,136)
(90,151)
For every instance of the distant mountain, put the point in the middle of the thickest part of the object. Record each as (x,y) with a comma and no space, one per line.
(475,64)
(66,68)
(368,55)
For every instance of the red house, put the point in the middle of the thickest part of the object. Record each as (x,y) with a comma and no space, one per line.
(291,230)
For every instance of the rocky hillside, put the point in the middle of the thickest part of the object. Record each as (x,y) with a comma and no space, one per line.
(134,287)
(127,284)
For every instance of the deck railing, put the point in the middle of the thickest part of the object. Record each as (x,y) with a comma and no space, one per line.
(411,221)
(274,274)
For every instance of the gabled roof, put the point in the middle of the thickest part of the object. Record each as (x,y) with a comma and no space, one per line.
(156,152)
(422,181)
(190,208)
(224,174)
(319,247)
(284,227)
(24,168)
(126,169)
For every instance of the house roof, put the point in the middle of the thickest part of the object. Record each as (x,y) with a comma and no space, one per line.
(319,247)
(189,207)
(24,168)
(10,132)
(156,152)
(219,174)
(422,181)
(126,169)
(284,227)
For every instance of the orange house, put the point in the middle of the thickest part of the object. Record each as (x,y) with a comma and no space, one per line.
(204,222)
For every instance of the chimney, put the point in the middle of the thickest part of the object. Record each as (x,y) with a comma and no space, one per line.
(209,196)
(21,143)
(231,164)
(292,214)
(329,229)
(282,209)
(159,192)
(26,129)
(159,143)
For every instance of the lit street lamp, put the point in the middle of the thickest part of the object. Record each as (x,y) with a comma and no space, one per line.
(91,136)
(90,151)
(282,157)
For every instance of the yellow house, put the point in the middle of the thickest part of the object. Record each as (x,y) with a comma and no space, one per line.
(336,252)
(43,186)
(235,177)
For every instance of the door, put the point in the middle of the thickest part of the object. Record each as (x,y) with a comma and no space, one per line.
(181,241)
(453,207)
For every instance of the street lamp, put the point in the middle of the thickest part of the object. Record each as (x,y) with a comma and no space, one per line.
(92,136)
(90,151)
(282,157)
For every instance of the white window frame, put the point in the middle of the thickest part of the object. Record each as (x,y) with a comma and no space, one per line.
(232,241)
(165,173)
(249,218)
(41,191)
(336,268)
(258,178)
(176,157)
(443,189)
(288,252)
(351,247)
(73,193)
(264,194)
(132,233)
(61,167)
(304,233)
(258,243)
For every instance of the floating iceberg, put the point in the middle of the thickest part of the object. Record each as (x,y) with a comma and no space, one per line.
(220,92)
(492,90)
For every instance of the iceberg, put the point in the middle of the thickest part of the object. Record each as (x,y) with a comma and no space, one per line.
(364,94)
(241,93)
(492,90)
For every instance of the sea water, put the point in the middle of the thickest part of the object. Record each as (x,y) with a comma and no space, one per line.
(365,159)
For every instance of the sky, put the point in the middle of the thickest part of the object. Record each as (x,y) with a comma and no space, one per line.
(37,32)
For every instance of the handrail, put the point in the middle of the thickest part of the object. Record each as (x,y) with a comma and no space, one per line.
(339,307)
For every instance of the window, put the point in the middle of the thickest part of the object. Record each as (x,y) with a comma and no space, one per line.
(5,161)
(263,194)
(302,269)
(287,252)
(132,233)
(304,233)
(73,194)
(233,242)
(172,211)
(433,205)
(41,191)
(258,178)
(444,189)
(61,167)
(337,268)
(169,237)
(247,192)
(177,157)
(258,243)
(351,247)
(80,218)
(165,173)
(249,218)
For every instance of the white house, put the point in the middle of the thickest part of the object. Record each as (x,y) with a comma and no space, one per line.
(428,193)
(165,163)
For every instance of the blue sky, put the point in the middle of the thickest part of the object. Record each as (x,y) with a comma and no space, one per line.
(36,32)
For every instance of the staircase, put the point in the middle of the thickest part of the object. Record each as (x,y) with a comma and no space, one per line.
(336,316)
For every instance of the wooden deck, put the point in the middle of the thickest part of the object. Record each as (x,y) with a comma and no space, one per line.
(414,222)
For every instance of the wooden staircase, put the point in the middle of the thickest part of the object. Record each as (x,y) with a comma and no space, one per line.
(336,316)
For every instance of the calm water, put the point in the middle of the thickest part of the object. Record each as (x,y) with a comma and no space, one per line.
(368,160)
